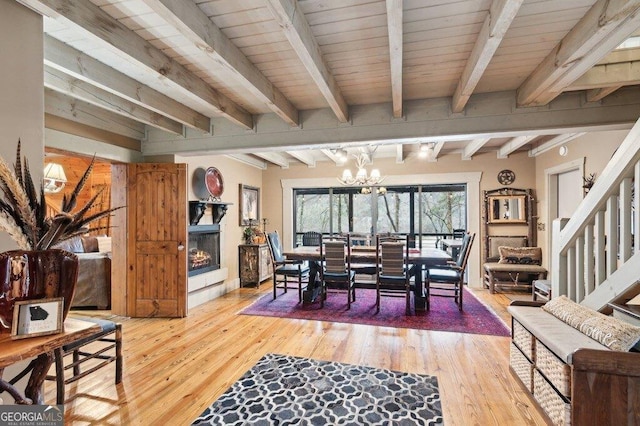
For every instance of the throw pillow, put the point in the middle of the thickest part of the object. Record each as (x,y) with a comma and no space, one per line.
(520,255)
(613,333)
(90,244)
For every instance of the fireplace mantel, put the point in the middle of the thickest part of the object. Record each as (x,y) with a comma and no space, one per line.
(197,209)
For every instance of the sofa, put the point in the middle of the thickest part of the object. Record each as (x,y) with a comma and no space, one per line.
(580,366)
(93,288)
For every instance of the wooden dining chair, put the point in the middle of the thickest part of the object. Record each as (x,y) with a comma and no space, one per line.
(311,238)
(286,271)
(336,273)
(448,280)
(394,271)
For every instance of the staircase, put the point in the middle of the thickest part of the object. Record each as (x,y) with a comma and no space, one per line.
(596,254)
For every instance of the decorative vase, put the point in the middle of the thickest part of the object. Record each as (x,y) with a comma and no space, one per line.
(32,275)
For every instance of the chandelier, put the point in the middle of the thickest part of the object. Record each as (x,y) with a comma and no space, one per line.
(362,177)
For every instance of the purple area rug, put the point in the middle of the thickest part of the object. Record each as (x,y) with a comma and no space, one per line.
(443,315)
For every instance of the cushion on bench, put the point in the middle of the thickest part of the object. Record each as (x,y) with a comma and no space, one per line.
(615,334)
(514,267)
(559,337)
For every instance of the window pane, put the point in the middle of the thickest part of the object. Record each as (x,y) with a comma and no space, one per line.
(362,213)
(340,213)
(443,210)
(312,212)
(393,212)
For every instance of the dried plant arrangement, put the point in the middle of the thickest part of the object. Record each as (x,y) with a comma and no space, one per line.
(23,209)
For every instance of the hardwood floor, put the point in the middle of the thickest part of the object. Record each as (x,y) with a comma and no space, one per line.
(175,368)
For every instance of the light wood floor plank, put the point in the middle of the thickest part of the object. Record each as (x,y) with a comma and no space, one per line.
(175,368)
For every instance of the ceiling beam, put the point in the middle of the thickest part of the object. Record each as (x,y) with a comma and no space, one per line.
(496,24)
(437,147)
(274,157)
(487,115)
(607,24)
(58,141)
(400,153)
(81,112)
(514,144)
(298,32)
(304,157)
(196,26)
(333,157)
(249,160)
(595,95)
(552,143)
(83,67)
(107,32)
(611,75)
(394,27)
(65,84)
(472,147)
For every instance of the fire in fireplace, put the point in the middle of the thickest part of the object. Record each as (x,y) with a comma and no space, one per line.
(204,249)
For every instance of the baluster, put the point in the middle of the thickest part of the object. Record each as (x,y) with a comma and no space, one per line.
(579,253)
(599,250)
(611,229)
(571,273)
(625,219)
(589,263)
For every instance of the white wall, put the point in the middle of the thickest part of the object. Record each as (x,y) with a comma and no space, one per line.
(21,103)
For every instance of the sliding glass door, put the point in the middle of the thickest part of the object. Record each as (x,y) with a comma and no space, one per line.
(426,212)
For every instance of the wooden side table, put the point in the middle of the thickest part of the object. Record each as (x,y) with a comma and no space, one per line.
(254,263)
(12,351)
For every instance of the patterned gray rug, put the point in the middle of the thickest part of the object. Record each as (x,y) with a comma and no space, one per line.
(286,390)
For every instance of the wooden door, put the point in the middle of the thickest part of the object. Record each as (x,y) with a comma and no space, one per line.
(156,265)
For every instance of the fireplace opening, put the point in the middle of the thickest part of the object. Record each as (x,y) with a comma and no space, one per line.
(204,249)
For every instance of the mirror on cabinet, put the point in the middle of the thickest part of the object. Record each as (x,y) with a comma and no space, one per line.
(507,209)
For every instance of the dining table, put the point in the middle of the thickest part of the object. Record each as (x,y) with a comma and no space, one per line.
(418,257)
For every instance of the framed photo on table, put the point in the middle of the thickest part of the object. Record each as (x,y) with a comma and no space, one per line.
(39,317)
(249,205)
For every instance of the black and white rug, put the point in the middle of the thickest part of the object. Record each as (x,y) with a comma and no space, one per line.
(286,390)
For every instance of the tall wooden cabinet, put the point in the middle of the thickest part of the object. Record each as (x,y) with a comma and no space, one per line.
(254,264)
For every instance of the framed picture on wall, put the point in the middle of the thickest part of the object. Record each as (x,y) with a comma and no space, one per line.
(249,205)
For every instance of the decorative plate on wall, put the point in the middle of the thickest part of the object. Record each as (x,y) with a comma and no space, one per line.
(214,182)
(506,177)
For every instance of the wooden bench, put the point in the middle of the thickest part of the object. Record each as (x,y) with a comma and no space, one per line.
(573,378)
(500,274)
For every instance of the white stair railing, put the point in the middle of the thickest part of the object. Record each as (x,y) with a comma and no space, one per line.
(602,236)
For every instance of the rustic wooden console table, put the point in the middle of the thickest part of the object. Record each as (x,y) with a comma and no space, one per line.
(12,351)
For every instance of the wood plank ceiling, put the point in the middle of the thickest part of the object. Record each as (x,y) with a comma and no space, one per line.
(286,81)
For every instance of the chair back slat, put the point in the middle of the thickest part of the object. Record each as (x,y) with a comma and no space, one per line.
(276,247)
(335,259)
(392,258)
(467,250)
(463,249)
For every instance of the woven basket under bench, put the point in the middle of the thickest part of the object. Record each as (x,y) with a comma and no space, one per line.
(589,385)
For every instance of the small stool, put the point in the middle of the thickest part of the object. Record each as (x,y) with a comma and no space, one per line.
(110,334)
(542,290)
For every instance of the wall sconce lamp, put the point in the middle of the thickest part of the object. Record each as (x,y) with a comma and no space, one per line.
(54,178)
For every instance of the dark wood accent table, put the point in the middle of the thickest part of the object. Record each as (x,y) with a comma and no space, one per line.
(12,351)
